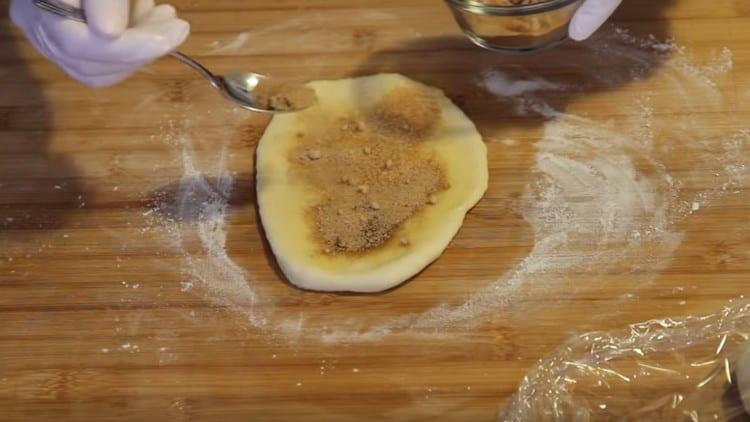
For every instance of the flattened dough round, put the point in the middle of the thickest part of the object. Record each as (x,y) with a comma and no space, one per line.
(285,201)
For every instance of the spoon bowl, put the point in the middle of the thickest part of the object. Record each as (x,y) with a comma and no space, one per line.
(253,91)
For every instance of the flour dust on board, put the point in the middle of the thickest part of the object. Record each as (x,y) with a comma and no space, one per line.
(603,198)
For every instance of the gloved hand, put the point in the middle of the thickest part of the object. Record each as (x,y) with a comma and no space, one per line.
(117,41)
(590,16)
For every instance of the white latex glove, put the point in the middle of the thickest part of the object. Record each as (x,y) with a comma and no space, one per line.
(119,38)
(590,16)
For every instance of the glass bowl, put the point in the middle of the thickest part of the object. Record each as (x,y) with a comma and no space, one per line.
(515,29)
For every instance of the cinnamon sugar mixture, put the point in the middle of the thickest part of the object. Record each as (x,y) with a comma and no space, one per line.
(371,171)
(285,97)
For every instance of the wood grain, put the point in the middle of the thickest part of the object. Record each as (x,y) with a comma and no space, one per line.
(96,322)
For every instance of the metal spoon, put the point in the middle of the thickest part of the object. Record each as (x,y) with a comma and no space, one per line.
(251,91)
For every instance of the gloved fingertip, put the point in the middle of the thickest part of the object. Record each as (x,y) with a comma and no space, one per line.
(108,28)
(166,10)
(183,31)
(167,40)
(583,24)
(141,8)
(177,34)
(576,33)
(590,17)
(109,31)
(108,19)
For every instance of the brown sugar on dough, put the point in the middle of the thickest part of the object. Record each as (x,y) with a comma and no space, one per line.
(284,97)
(408,113)
(314,154)
(352,219)
(365,189)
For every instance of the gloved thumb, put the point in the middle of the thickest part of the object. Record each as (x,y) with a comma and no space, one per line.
(107,18)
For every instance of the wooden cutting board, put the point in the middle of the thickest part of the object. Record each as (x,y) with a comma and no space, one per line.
(120,300)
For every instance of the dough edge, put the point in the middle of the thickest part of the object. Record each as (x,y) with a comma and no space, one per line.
(393,272)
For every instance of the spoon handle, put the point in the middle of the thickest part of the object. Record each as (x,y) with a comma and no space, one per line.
(61,8)
(213,79)
(67,11)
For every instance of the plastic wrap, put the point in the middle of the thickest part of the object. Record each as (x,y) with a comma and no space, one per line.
(670,369)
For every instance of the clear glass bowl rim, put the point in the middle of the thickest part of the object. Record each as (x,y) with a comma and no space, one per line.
(477,7)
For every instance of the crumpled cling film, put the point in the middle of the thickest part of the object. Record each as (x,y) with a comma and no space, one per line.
(674,369)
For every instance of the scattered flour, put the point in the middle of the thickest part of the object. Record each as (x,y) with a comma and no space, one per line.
(186,286)
(501,84)
(509,142)
(234,45)
(604,188)
(587,196)
(197,229)
(602,196)
(308,21)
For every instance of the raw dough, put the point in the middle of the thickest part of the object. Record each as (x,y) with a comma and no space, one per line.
(289,202)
